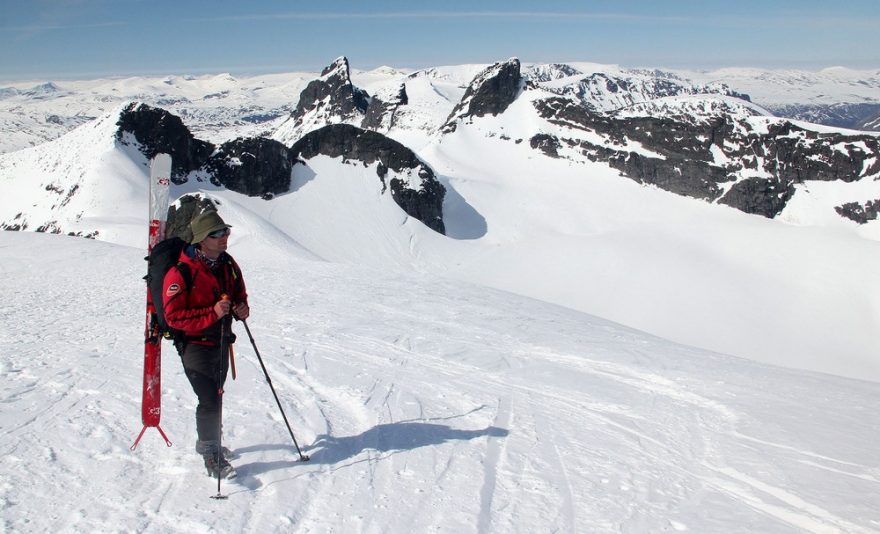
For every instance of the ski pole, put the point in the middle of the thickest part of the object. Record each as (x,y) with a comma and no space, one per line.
(224,327)
(302,456)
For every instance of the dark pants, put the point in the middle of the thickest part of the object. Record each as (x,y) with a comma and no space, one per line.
(206,372)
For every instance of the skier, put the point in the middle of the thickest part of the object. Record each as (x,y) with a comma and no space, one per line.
(202,306)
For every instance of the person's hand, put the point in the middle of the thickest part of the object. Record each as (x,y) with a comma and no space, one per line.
(222,308)
(242,311)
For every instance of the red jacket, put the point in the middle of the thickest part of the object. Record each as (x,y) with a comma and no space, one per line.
(192,311)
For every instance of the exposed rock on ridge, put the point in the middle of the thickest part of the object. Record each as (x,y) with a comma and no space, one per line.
(757,172)
(262,167)
(159,131)
(334,99)
(380,113)
(490,92)
(333,92)
(860,212)
(352,143)
(254,166)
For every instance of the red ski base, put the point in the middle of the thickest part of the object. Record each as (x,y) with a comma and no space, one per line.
(157,427)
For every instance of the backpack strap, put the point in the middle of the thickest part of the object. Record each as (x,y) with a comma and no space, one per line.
(185,273)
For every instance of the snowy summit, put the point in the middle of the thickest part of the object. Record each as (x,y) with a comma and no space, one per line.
(491,298)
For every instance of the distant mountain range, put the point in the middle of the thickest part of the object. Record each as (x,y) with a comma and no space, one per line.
(657,199)
(222,106)
(693,134)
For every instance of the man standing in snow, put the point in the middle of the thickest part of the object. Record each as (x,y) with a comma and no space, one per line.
(201,305)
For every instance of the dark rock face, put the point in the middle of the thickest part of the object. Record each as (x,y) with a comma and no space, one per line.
(380,114)
(490,93)
(760,196)
(860,213)
(800,155)
(334,99)
(159,131)
(253,166)
(547,144)
(262,167)
(685,161)
(333,88)
(679,175)
(352,143)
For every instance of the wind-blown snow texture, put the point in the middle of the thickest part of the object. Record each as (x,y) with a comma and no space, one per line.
(455,383)
(425,404)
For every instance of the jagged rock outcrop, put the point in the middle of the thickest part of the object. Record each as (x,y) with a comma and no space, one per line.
(719,159)
(334,99)
(490,93)
(262,167)
(860,212)
(253,166)
(395,162)
(158,131)
(333,93)
(759,196)
(330,99)
(381,111)
(182,212)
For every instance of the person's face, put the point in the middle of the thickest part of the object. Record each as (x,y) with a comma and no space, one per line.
(215,243)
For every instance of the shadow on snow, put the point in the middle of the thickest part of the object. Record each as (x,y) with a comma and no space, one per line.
(401,436)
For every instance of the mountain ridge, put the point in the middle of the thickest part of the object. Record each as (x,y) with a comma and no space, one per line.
(541,191)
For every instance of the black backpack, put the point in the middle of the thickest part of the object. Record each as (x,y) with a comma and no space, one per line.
(165,256)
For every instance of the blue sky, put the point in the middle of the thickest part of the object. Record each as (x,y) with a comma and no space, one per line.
(64,39)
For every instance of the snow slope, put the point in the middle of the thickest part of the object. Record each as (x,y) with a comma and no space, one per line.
(426,404)
(801,292)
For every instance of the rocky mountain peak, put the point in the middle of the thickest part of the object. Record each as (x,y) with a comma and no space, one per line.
(329,99)
(332,94)
(490,92)
(338,69)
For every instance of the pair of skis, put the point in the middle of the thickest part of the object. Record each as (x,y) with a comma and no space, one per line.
(151,405)
(151,402)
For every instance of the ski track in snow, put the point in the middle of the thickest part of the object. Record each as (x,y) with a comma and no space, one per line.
(425,406)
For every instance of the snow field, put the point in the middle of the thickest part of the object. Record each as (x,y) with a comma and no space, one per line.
(426,404)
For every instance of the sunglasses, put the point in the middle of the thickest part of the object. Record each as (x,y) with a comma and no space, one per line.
(219,233)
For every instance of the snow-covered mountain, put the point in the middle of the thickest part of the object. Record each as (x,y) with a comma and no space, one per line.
(220,107)
(447,269)
(516,184)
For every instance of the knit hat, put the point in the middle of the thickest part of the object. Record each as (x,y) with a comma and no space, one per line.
(205,223)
